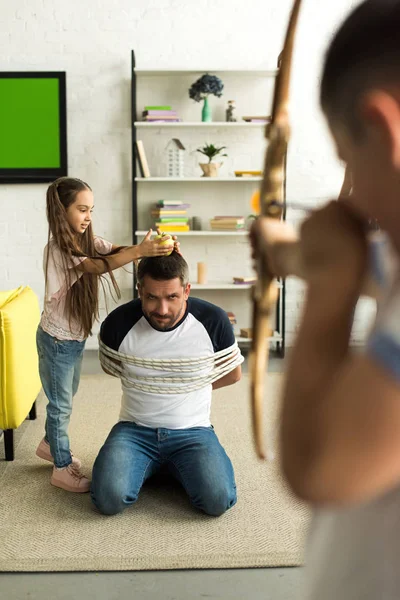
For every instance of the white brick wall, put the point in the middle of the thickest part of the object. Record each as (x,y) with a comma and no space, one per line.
(92,40)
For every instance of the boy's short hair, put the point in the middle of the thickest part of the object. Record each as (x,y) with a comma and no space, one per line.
(364,54)
(164,268)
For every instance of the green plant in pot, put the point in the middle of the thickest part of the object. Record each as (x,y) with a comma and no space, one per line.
(210,169)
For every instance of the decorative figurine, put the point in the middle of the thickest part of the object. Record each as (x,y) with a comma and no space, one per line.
(230,111)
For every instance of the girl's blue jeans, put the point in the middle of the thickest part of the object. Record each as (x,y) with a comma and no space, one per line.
(60,364)
(132,453)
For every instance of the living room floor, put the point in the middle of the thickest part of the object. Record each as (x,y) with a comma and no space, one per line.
(224,584)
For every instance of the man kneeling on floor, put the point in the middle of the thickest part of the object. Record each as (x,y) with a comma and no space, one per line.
(158,428)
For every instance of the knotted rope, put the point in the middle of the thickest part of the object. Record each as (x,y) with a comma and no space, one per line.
(216,366)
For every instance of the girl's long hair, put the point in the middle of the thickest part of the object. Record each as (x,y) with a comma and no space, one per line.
(82,300)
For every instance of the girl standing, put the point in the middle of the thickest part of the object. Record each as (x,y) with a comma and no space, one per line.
(74,261)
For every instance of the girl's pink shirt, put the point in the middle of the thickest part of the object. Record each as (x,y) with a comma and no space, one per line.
(54,320)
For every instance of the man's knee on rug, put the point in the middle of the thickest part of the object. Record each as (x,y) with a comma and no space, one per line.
(111,498)
(215,502)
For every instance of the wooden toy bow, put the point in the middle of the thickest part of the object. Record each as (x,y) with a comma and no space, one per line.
(271,205)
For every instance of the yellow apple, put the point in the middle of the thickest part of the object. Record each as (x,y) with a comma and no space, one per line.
(168,242)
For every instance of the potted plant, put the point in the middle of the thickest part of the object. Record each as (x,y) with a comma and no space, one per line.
(202,88)
(210,169)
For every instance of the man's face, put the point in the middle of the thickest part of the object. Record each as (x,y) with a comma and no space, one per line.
(163,302)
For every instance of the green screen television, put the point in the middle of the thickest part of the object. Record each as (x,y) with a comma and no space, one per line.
(33,126)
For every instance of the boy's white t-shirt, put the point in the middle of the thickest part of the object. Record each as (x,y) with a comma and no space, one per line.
(54,320)
(354,553)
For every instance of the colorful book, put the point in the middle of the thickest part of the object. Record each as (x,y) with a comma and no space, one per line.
(174,219)
(222,223)
(168,228)
(176,207)
(163,107)
(162,118)
(159,113)
(142,160)
(172,224)
(173,207)
(166,213)
(228,226)
(170,203)
(228,221)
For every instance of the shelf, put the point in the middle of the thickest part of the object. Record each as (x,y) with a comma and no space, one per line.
(241,73)
(225,286)
(204,179)
(220,286)
(198,124)
(276,337)
(203,232)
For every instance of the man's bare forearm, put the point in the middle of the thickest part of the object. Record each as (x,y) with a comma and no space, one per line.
(229,379)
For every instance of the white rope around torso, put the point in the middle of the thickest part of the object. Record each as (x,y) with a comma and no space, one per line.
(218,364)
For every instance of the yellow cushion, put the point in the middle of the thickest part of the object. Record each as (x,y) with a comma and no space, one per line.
(8,296)
(19,370)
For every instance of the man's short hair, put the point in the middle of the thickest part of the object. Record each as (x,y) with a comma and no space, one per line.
(364,54)
(164,268)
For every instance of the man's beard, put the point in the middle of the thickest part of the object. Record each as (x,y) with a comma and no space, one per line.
(165,321)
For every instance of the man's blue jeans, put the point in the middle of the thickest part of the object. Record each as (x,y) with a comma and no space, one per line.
(60,364)
(132,454)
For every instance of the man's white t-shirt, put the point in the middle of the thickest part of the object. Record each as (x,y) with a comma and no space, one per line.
(354,553)
(203,330)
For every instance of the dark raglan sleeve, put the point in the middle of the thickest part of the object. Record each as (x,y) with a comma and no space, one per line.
(119,322)
(225,336)
(216,322)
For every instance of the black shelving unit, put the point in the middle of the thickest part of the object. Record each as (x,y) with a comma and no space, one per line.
(133,161)
(281,304)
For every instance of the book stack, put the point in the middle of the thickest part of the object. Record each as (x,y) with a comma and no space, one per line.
(163,114)
(227,223)
(244,280)
(171,215)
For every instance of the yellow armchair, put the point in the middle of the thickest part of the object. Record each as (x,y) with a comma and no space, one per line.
(19,368)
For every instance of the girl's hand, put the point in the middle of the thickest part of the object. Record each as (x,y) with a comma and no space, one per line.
(150,247)
(177,246)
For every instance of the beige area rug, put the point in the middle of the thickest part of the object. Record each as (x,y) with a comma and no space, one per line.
(43,528)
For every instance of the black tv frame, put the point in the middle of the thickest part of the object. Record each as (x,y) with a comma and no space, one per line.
(41,175)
